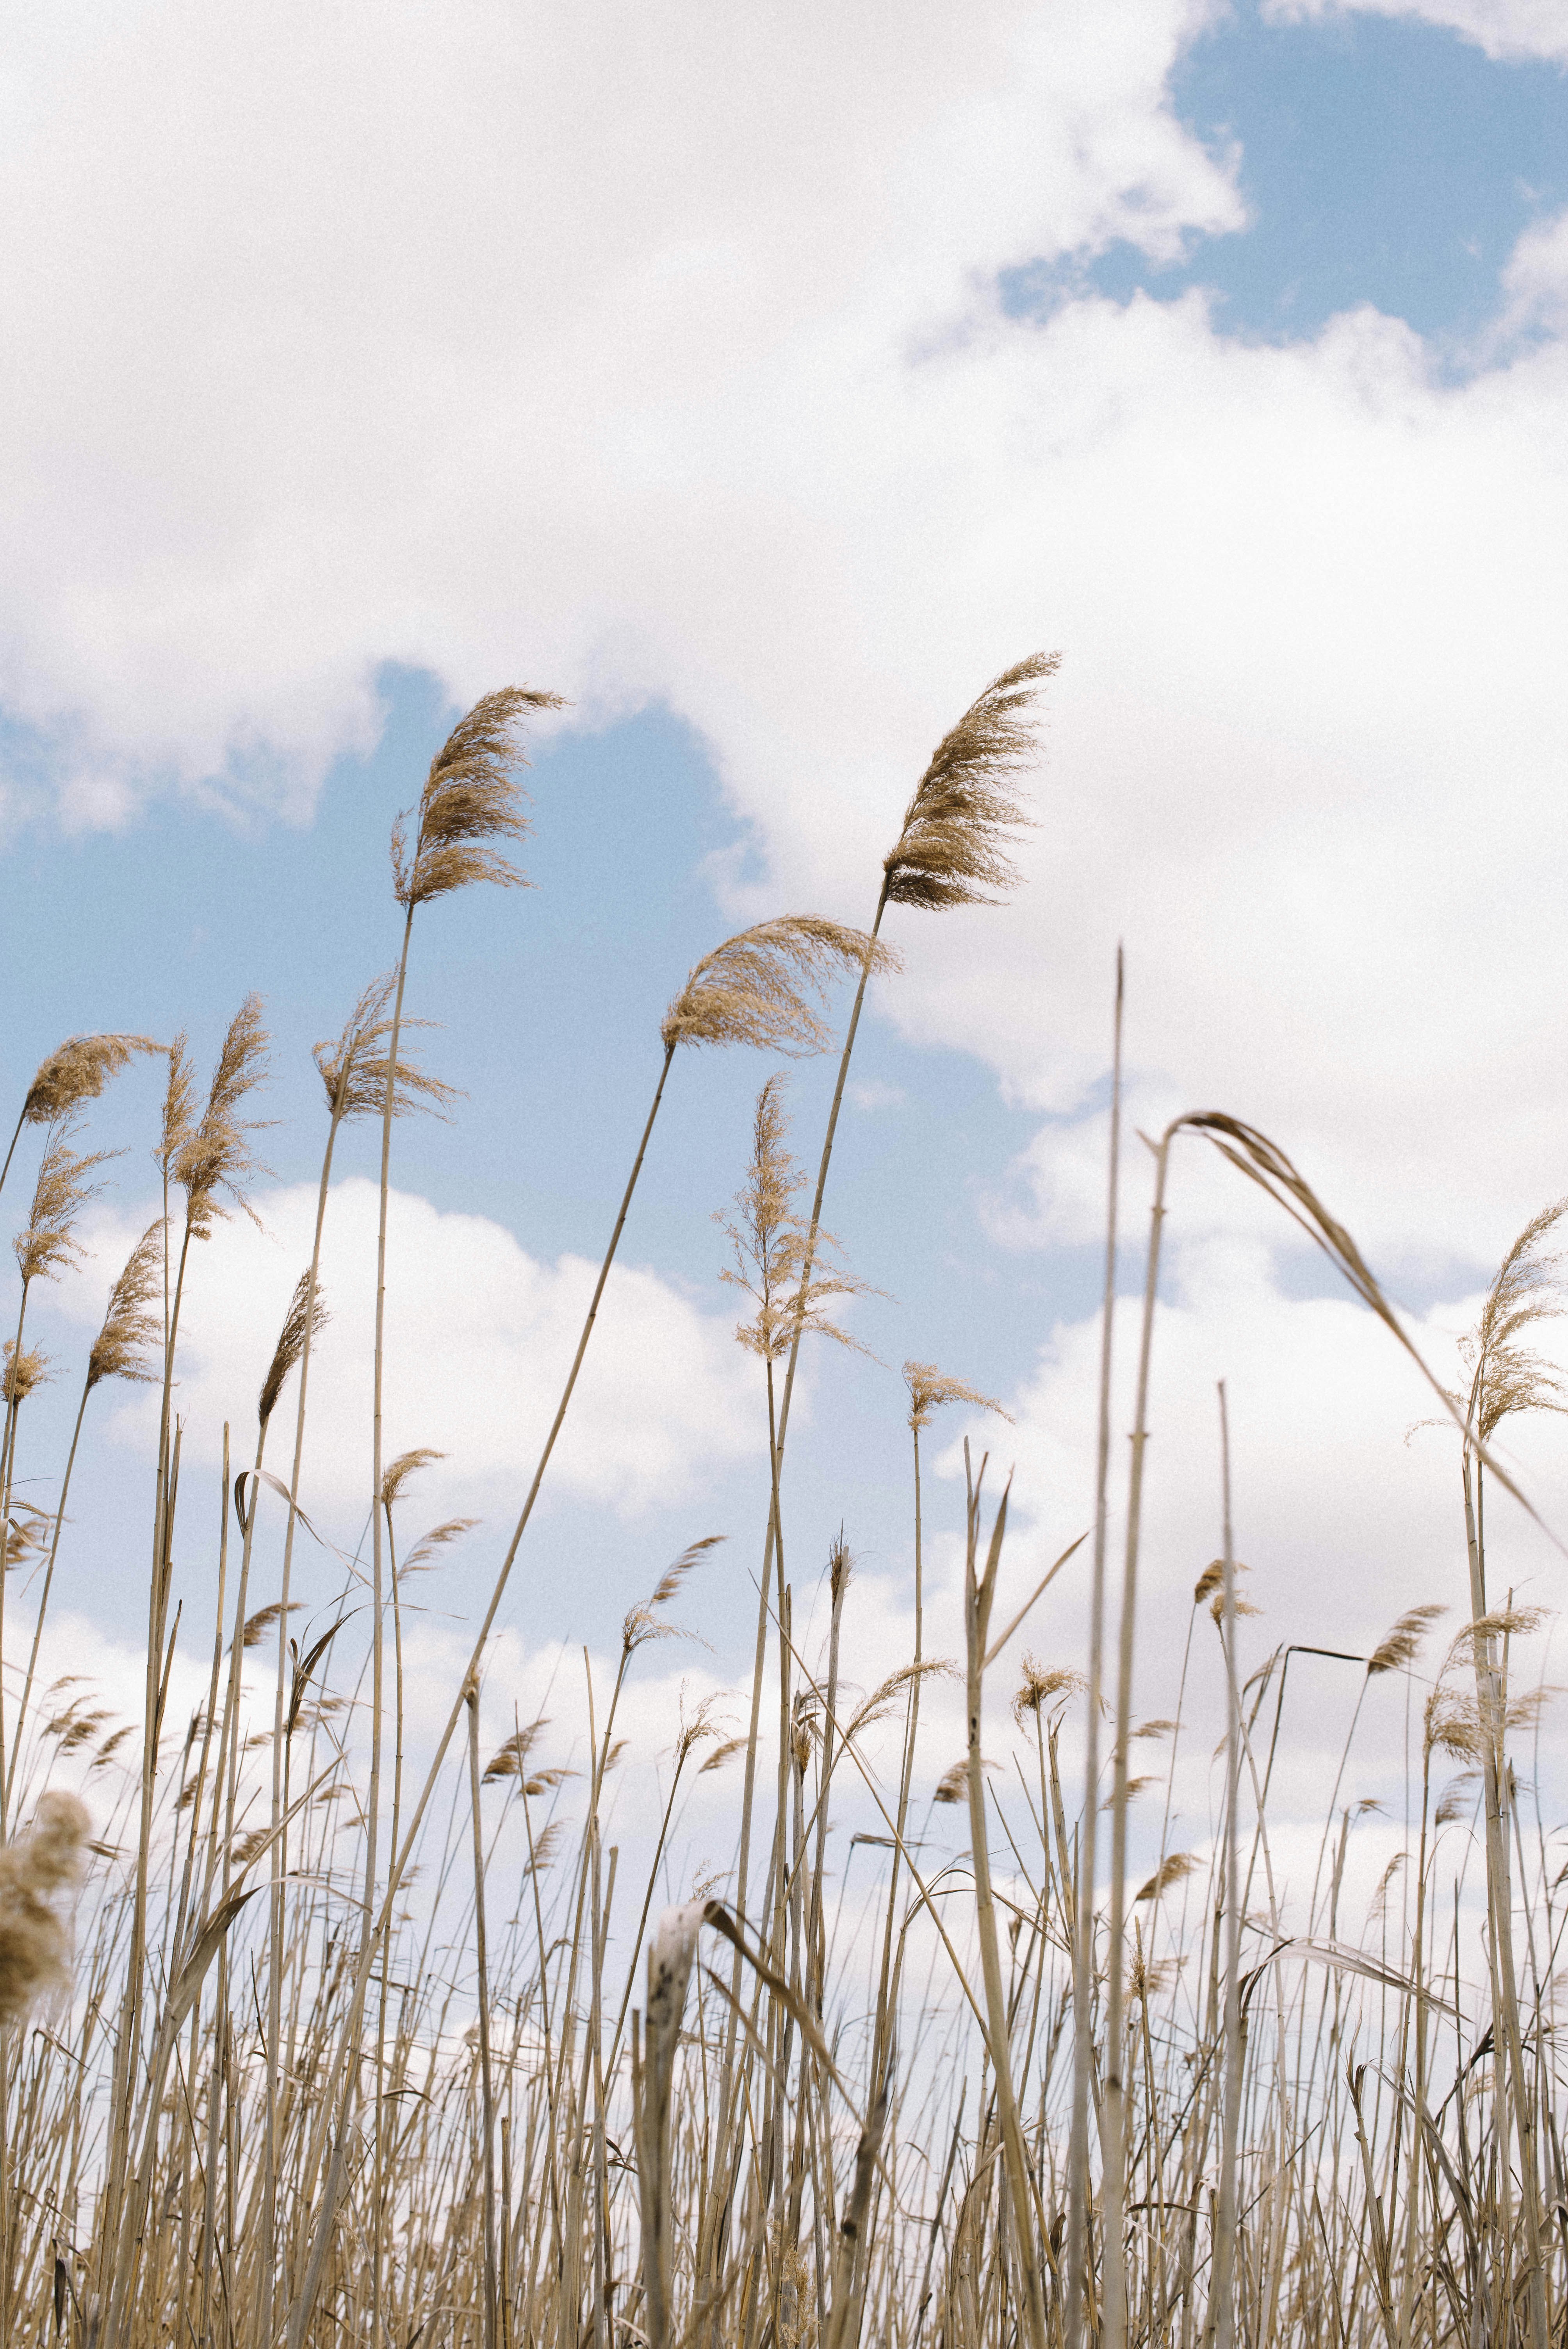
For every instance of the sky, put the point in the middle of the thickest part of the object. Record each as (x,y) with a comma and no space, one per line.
(764,389)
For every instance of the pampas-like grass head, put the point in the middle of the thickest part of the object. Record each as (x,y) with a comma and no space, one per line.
(129,1325)
(786,1270)
(471,798)
(305,1312)
(78,1071)
(353,1068)
(1509,1376)
(22,1373)
(950,851)
(930,1388)
(47,1245)
(215,1155)
(35,1941)
(754,989)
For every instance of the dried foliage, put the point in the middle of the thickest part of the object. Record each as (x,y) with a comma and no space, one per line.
(1043,1687)
(123,1347)
(471,799)
(1403,1644)
(761,986)
(952,848)
(25,1371)
(354,1068)
(35,1944)
(214,1159)
(788,1274)
(1508,1376)
(47,1245)
(78,1071)
(306,1315)
(929,1388)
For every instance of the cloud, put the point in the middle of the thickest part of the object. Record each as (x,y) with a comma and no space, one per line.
(693,383)
(1504,28)
(480,1336)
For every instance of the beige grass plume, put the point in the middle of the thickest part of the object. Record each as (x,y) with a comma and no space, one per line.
(305,1311)
(215,1155)
(35,1939)
(950,851)
(24,1370)
(1403,1643)
(78,1071)
(1043,1685)
(46,1244)
(1507,1375)
(755,987)
(929,1388)
(353,1068)
(131,1327)
(471,798)
(772,1245)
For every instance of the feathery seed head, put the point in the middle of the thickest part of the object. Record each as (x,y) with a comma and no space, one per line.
(427,1550)
(776,1260)
(215,1155)
(306,1315)
(78,1071)
(1508,1376)
(396,1477)
(354,1068)
(754,989)
(1172,1869)
(1041,1687)
(131,1327)
(35,1944)
(471,798)
(929,1388)
(47,1245)
(22,1372)
(1403,1642)
(950,851)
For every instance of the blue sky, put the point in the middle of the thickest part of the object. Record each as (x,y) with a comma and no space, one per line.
(227,669)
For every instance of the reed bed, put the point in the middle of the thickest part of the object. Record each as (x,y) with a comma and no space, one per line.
(314,2032)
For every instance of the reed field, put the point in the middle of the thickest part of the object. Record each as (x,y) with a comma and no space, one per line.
(315,2032)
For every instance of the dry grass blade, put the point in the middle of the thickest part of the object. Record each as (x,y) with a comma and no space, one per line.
(130,1328)
(756,987)
(471,798)
(950,851)
(78,1071)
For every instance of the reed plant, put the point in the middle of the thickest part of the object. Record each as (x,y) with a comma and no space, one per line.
(317,2029)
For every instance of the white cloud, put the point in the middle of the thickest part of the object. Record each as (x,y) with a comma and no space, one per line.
(1503,28)
(479,1339)
(648,363)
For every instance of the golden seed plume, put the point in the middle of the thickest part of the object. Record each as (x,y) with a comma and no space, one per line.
(22,1372)
(471,798)
(46,1246)
(722,1754)
(35,1944)
(215,1155)
(929,1388)
(510,1759)
(1041,1687)
(300,1316)
(1171,1871)
(426,1551)
(179,1118)
(769,1244)
(1403,1643)
(1457,1797)
(354,1068)
(131,1327)
(670,1581)
(881,1701)
(394,1477)
(1508,1376)
(950,851)
(1213,1579)
(754,989)
(78,1071)
(258,1625)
